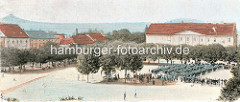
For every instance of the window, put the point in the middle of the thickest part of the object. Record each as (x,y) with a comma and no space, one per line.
(17,41)
(214,39)
(229,39)
(201,40)
(181,39)
(208,40)
(13,42)
(169,38)
(26,41)
(20,41)
(187,38)
(194,39)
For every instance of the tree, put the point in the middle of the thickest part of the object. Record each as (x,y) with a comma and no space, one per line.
(32,56)
(9,57)
(213,53)
(108,64)
(89,63)
(196,52)
(231,90)
(41,57)
(23,56)
(231,54)
(126,36)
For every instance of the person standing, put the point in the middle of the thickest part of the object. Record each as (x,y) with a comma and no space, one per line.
(135,94)
(1,96)
(124,96)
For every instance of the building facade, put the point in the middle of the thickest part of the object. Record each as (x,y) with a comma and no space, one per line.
(192,33)
(39,38)
(13,36)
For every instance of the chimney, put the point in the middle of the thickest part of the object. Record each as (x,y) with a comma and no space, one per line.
(76,31)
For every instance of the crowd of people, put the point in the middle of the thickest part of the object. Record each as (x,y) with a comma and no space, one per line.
(143,77)
(188,73)
(206,81)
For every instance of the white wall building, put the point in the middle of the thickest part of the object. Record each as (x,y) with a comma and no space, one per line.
(192,34)
(13,36)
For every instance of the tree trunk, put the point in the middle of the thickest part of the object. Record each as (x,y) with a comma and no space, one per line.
(88,78)
(20,68)
(32,65)
(9,69)
(24,68)
(49,63)
(125,75)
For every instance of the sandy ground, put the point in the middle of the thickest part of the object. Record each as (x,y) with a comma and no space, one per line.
(7,81)
(222,74)
(11,80)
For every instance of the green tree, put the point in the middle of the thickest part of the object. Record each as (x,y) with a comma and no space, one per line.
(213,53)
(231,90)
(89,63)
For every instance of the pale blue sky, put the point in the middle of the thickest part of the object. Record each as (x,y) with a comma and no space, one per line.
(106,11)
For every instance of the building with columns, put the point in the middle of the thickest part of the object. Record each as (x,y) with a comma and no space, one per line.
(192,33)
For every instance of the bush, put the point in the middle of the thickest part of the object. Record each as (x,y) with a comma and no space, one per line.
(231,91)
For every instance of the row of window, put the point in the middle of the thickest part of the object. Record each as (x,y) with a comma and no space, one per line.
(17,42)
(194,39)
(43,40)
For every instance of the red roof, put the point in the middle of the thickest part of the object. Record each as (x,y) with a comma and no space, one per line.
(82,39)
(97,36)
(203,28)
(13,31)
(65,41)
(59,36)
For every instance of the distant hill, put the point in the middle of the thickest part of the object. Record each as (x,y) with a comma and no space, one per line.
(70,28)
(185,20)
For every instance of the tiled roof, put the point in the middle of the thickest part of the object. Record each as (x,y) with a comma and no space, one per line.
(82,39)
(97,36)
(40,35)
(60,36)
(203,28)
(66,41)
(13,31)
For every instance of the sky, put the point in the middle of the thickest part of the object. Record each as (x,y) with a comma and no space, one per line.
(108,11)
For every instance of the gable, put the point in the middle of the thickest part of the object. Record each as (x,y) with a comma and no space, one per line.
(1,34)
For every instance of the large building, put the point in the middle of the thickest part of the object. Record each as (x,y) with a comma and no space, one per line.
(40,38)
(13,36)
(192,33)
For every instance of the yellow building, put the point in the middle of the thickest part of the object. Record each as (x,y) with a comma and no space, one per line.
(40,38)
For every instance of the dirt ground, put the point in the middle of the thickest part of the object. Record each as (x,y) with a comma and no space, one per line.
(135,81)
